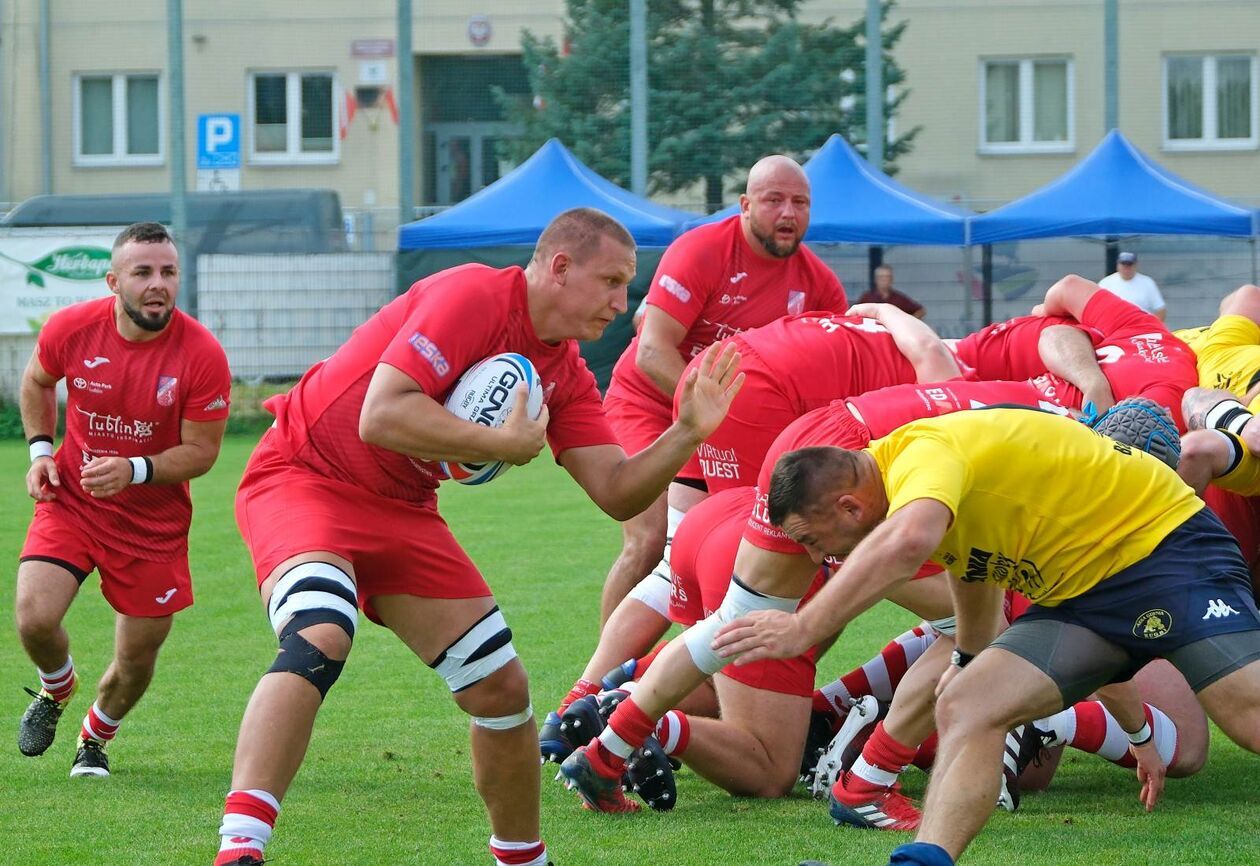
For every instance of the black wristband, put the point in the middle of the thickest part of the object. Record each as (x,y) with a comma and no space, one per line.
(40,438)
(961,659)
(148,464)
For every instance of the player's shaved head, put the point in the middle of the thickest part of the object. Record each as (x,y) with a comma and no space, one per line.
(803,480)
(774,171)
(775,206)
(579,232)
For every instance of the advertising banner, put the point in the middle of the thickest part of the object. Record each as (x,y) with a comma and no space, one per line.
(44,271)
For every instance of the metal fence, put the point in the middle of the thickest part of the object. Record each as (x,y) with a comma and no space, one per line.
(278,315)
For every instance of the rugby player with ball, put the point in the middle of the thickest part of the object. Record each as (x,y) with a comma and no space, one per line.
(338,503)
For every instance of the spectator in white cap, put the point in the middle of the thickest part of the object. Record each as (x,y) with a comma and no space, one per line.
(1138,289)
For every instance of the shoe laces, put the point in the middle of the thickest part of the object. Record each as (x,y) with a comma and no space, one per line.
(42,696)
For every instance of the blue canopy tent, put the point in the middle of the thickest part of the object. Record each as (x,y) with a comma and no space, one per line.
(1115,190)
(854,203)
(517,207)
(500,224)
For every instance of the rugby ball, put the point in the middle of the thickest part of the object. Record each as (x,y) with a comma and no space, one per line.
(484,395)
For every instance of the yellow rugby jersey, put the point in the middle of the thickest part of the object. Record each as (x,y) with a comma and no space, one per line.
(1041,504)
(1228,353)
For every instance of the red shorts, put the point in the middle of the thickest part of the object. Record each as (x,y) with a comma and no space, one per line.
(1241,516)
(638,423)
(396,547)
(733,453)
(691,601)
(132,586)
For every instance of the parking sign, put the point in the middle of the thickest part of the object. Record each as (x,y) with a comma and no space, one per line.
(218,141)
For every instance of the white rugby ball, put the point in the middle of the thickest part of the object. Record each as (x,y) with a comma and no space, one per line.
(484,395)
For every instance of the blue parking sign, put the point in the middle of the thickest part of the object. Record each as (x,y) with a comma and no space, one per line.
(219,141)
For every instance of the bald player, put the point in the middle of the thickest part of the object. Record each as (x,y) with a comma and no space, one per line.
(714,281)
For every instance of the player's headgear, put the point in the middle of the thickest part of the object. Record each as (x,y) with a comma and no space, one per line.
(1143,424)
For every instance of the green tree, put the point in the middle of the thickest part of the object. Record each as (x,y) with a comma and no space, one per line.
(729,81)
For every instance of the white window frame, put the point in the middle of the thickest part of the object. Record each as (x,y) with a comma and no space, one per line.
(1211,142)
(293,154)
(1026,116)
(119,157)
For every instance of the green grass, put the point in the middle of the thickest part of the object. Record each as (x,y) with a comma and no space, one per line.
(387,778)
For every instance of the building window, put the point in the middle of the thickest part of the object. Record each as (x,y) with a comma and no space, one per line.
(118,119)
(293,117)
(1026,106)
(1210,102)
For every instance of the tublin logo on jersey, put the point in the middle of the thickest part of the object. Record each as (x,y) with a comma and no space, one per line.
(95,362)
(735,279)
(1153,624)
(215,404)
(166,390)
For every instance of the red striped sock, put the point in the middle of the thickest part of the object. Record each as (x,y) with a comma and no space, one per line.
(628,727)
(641,665)
(248,819)
(60,683)
(518,853)
(98,726)
(926,756)
(580,689)
(674,732)
(1091,726)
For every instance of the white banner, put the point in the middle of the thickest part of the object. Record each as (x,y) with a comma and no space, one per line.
(43,270)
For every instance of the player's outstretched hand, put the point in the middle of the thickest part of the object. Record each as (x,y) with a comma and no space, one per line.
(1150,772)
(709,390)
(42,480)
(762,634)
(523,437)
(103,477)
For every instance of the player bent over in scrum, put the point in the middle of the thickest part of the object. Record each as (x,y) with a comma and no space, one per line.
(1116,580)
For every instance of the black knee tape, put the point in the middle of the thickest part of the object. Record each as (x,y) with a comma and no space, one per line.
(299,656)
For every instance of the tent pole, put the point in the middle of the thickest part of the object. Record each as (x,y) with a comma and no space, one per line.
(969,275)
(986,268)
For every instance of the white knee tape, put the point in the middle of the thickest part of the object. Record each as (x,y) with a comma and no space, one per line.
(654,591)
(318,590)
(738,601)
(504,723)
(673,517)
(478,653)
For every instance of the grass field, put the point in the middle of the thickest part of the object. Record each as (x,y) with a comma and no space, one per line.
(387,778)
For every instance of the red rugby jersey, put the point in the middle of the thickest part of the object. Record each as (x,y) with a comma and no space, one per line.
(433,332)
(127,399)
(713,282)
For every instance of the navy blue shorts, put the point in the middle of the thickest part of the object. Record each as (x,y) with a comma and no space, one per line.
(1192,586)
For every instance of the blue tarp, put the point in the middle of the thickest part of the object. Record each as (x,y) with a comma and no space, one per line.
(855,203)
(518,206)
(1116,190)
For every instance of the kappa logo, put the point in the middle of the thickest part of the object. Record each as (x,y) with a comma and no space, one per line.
(95,362)
(166,596)
(166,390)
(1153,624)
(1218,609)
(215,404)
